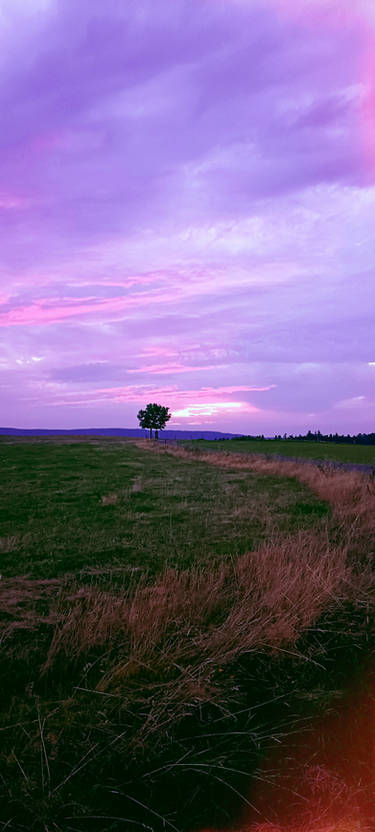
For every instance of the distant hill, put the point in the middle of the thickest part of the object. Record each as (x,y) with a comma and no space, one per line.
(165,434)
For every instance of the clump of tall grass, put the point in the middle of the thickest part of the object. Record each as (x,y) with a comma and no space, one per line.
(205,618)
(133,696)
(149,704)
(350,493)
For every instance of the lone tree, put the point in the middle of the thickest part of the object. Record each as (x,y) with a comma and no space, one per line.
(154,417)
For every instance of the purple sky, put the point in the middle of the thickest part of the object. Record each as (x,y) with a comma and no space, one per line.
(187,203)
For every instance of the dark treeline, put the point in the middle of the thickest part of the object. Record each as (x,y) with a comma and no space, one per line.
(317,436)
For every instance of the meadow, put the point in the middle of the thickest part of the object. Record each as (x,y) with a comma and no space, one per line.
(167,616)
(326,451)
(100,506)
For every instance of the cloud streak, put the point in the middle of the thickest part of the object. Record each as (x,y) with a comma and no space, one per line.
(187,193)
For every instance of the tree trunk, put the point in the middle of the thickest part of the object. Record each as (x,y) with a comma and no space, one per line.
(150,433)
(156,434)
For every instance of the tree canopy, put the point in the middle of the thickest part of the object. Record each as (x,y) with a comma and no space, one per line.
(154,417)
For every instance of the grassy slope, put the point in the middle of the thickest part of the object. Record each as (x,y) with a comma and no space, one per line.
(67,507)
(310,450)
(126,704)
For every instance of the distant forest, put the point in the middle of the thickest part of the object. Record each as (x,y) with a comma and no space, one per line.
(317,436)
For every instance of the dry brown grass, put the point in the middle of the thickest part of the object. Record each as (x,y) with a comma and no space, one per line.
(187,625)
(9,543)
(109,499)
(19,600)
(350,493)
(122,669)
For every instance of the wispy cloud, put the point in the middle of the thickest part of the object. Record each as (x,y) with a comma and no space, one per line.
(213,409)
(194,203)
(138,392)
(172,369)
(354,402)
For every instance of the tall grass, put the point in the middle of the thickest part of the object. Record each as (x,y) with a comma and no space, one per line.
(150,704)
(350,493)
(149,694)
(206,618)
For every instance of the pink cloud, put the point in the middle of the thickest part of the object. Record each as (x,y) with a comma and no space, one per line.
(45,141)
(11,202)
(184,403)
(368,105)
(166,369)
(126,281)
(214,408)
(130,393)
(158,351)
(45,312)
(236,389)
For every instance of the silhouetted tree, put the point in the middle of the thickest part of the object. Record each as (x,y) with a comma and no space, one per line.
(154,417)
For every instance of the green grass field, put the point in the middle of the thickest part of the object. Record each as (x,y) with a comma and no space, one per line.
(164,623)
(108,506)
(364,454)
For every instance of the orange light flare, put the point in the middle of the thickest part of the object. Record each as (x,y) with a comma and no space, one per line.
(321,779)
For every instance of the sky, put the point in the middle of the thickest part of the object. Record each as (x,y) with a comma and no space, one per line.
(187,203)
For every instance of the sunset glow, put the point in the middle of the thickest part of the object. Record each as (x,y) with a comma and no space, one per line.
(209,409)
(187,205)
